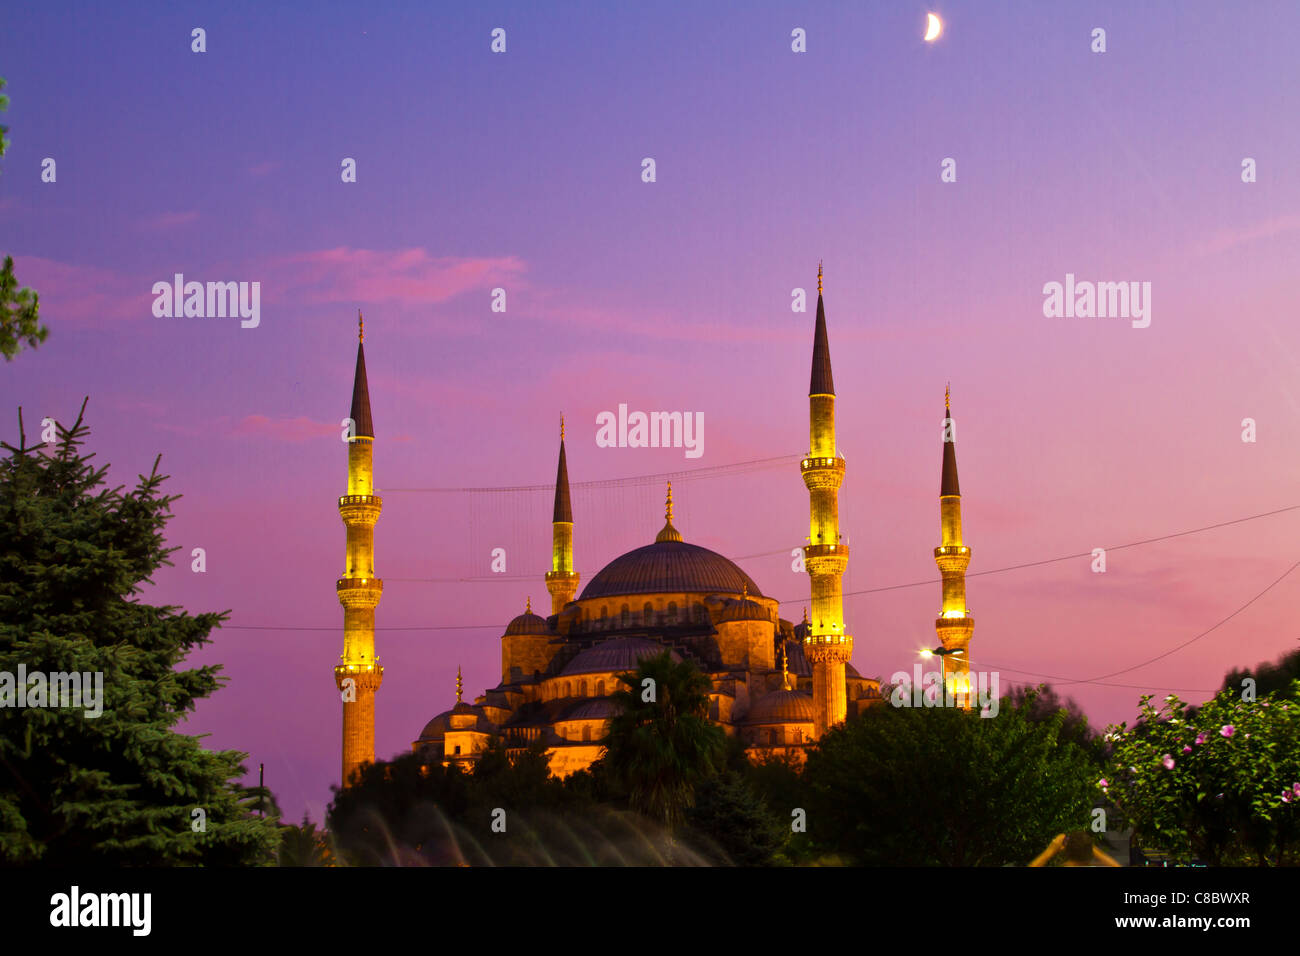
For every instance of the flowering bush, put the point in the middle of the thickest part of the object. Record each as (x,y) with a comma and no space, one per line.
(1221,783)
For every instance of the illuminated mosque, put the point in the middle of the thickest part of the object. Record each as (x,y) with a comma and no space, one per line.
(776,685)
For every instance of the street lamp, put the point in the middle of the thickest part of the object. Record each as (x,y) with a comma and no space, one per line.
(941,653)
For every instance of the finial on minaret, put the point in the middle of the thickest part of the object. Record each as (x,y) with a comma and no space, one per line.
(669,533)
(785,668)
(947,389)
(528,606)
(361,327)
(561,426)
(819,277)
(805,615)
(744,592)
(459,684)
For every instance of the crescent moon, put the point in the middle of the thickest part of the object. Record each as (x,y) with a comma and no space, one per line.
(933,27)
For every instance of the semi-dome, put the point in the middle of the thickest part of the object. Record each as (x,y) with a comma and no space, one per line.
(782,707)
(615,656)
(599,708)
(668,566)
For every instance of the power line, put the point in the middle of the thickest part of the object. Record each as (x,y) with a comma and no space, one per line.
(689,474)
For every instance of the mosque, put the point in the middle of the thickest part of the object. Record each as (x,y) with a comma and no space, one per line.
(776,685)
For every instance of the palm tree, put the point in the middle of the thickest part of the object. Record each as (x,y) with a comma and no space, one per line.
(661,744)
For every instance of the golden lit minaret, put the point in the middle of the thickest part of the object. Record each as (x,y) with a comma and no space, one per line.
(358,674)
(562,580)
(954,623)
(827,645)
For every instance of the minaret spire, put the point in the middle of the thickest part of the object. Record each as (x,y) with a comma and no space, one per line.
(954,623)
(668,532)
(359,674)
(827,644)
(562,580)
(460,684)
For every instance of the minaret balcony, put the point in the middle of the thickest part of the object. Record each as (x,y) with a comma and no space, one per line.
(360,509)
(366,677)
(952,560)
(359,592)
(954,629)
(825,558)
(822,473)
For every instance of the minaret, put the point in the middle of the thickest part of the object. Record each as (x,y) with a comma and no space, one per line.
(359,674)
(954,623)
(562,580)
(826,643)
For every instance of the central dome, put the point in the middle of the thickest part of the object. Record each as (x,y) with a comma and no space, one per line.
(669,566)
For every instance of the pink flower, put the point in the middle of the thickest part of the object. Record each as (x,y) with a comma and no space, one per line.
(1227,730)
(1168,762)
(1186,749)
(1286,796)
(1200,738)
(1296,787)
(1106,783)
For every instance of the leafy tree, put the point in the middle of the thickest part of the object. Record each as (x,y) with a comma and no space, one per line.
(734,817)
(1221,784)
(661,744)
(303,845)
(1269,678)
(19,308)
(122,788)
(1043,702)
(942,786)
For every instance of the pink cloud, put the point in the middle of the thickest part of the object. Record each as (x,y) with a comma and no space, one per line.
(72,293)
(285,429)
(169,220)
(1227,238)
(369,275)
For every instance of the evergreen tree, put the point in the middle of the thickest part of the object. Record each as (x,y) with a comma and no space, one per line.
(736,819)
(121,788)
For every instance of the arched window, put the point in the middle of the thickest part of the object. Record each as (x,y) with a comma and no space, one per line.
(604,613)
(582,688)
(600,688)
(649,614)
(586,732)
(626,616)
(672,612)
(566,688)
(773,738)
(798,735)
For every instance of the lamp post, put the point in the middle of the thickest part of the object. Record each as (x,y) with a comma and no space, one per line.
(941,653)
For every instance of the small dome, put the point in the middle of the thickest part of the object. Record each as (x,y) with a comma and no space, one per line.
(782,707)
(436,728)
(528,623)
(744,610)
(615,656)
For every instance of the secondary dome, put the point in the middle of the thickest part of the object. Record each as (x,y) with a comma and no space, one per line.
(616,656)
(669,566)
(782,707)
(528,623)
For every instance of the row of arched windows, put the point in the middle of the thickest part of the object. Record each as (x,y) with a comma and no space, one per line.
(648,617)
(576,688)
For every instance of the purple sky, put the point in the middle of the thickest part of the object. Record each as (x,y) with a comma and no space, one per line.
(522,171)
